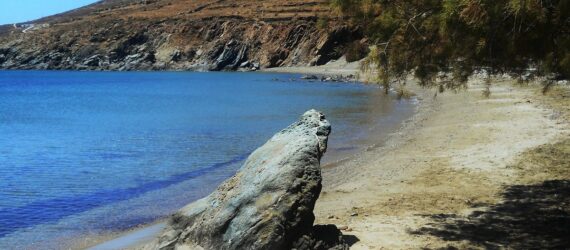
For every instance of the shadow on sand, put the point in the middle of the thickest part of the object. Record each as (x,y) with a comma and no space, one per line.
(530,217)
(330,237)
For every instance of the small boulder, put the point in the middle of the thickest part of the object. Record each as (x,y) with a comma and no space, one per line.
(92,61)
(245,64)
(309,77)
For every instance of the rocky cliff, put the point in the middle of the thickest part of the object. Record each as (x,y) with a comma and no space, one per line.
(268,204)
(179,35)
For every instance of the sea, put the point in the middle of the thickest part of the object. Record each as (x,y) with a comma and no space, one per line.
(85,154)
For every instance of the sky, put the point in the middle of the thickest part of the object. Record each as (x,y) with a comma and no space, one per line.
(17,11)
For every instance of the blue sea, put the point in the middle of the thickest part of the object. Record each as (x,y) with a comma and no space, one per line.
(84,154)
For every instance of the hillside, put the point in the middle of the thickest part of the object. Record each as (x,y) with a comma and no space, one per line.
(178,35)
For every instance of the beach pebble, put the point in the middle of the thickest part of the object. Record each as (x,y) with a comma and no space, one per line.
(342,228)
(354,214)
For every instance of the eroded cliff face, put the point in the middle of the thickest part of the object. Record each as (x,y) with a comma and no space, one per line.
(178,35)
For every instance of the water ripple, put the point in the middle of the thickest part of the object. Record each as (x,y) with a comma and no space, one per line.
(12,219)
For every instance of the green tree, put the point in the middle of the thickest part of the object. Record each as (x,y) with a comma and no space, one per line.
(427,37)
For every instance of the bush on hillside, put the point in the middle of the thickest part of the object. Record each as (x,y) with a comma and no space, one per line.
(356,51)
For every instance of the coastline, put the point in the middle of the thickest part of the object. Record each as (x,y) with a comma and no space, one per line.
(451,157)
(136,237)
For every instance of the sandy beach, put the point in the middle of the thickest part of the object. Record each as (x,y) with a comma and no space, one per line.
(444,175)
(441,179)
(458,156)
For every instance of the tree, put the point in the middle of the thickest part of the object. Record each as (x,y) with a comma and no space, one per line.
(428,37)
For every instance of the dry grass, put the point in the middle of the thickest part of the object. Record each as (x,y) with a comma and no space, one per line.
(205,9)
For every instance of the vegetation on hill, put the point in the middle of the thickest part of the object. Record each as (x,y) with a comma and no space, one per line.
(426,37)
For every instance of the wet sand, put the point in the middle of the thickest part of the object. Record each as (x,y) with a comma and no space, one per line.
(134,239)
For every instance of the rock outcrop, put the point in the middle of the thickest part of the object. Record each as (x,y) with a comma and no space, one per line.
(268,204)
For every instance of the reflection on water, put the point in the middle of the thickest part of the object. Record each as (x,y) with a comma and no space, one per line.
(83,153)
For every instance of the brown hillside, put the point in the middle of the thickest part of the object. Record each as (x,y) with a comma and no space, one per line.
(178,34)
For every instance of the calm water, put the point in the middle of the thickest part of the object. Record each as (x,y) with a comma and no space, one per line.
(84,153)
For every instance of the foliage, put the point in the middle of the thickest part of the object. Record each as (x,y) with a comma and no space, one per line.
(356,51)
(456,37)
(323,23)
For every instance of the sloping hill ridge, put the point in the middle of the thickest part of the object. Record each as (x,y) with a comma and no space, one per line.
(178,35)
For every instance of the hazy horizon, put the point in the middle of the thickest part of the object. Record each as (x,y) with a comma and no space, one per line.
(29,10)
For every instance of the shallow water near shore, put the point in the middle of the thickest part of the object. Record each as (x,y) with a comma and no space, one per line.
(90,153)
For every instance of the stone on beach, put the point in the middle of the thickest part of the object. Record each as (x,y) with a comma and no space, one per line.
(268,204)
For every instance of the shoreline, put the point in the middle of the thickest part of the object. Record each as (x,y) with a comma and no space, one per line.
(452,155)
(138,236)
(333,68)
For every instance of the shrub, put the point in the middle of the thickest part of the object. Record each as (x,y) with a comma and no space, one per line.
(356,51)
(427,37)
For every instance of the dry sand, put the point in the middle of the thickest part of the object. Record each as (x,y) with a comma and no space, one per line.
(454,157)
(460,174)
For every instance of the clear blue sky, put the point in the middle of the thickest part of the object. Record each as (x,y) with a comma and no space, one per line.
(17,11)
